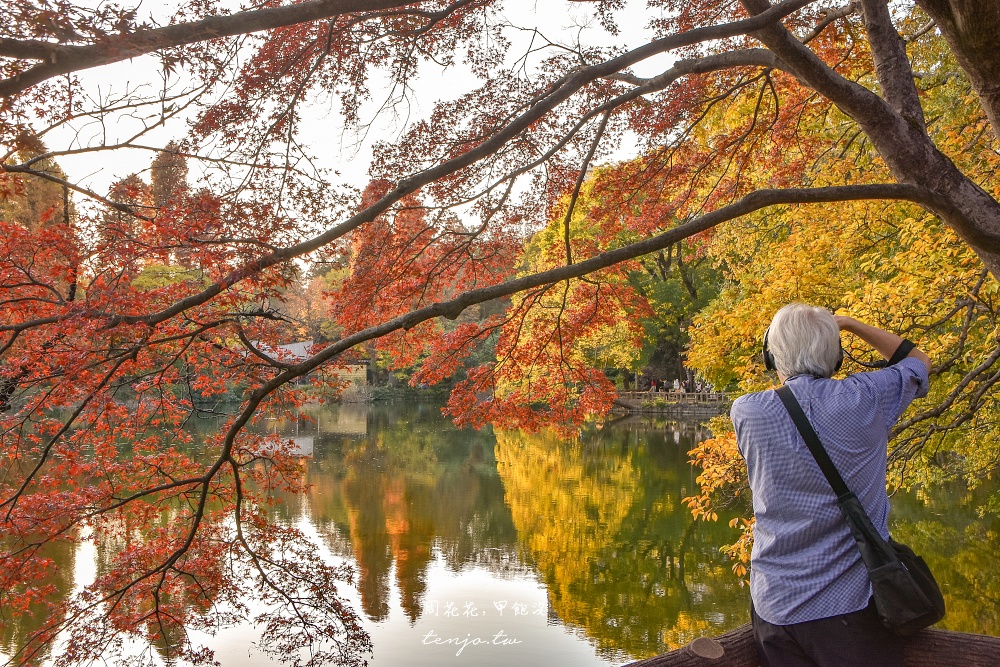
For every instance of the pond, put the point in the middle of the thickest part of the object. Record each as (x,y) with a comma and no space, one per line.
(488,548)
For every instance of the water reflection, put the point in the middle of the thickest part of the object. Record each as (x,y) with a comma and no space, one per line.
(412,486)
(599,522)
(616,548)
(960,542)
(590,539)
(17,628)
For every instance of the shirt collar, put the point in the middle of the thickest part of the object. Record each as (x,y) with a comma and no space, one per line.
(803,375)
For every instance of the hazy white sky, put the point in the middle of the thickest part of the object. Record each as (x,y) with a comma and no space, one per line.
(559,20)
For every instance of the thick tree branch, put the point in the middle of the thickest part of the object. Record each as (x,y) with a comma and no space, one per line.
(861,104)
(27,49)
(62,59)
(907,150)
(891,64)
(971,30)
(830,15)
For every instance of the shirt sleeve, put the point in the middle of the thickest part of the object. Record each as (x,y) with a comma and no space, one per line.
(895,387)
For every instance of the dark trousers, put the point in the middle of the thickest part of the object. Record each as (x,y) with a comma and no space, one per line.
(857,639)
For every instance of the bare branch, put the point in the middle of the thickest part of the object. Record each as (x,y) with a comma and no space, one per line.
(38,173)
(579,182)
(830,16)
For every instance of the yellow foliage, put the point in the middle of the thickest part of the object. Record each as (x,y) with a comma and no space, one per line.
(886,263)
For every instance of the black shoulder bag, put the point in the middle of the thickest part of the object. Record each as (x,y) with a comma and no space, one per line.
(906,595)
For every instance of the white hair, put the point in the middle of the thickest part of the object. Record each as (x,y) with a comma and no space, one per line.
(804,340)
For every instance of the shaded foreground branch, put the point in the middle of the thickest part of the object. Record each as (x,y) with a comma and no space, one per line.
(748,204)
(63,59)
(928,648)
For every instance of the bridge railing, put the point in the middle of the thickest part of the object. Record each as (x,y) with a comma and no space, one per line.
(676,396)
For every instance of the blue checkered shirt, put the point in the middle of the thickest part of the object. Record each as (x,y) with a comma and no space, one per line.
(805,564)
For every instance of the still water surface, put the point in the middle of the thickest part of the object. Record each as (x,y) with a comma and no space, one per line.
(580,552)
(495,548)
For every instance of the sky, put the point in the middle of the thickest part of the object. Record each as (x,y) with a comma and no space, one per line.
(349,154)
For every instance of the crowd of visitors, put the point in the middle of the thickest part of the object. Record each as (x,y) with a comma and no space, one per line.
(687,386)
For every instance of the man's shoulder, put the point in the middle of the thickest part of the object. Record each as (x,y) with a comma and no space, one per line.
(893,377)
(754,398)
(750,403)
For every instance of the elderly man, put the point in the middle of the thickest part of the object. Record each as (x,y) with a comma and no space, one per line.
(810,591)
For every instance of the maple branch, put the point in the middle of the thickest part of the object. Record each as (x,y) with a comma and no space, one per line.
(558,92)
(665,154)
(22,169)
(258,353)
(856,100)
(579,181)
(168,486)
(64,59)
(11,502)
(748,204)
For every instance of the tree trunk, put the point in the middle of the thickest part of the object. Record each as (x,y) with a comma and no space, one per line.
(971,28)
(905,146)
(928,648)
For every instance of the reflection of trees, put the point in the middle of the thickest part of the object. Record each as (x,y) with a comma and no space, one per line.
(960,548)
(252,566)
(370,539)
(19,626)
(180,600)
(412,486)
(604,521)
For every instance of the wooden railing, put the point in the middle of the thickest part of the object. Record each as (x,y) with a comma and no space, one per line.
(675,396)
(927,648)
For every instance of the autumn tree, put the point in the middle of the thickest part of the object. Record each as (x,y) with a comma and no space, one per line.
(645,306)
(34,203)
(887,263)
(167,175)
(100,374)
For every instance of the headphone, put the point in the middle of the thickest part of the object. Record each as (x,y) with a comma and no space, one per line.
(769,358)
(766,353)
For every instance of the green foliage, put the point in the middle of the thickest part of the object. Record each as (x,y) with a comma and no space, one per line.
(156,276)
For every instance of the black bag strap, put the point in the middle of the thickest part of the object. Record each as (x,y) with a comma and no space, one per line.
(812,441)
